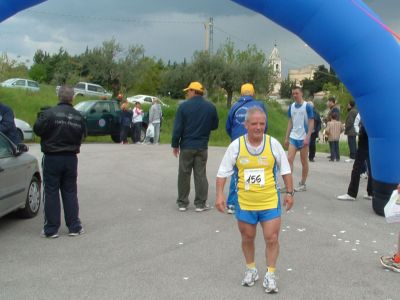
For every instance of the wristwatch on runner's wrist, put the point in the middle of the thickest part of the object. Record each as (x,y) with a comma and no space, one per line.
(290,193)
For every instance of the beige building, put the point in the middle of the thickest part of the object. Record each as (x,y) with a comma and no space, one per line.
(297,75)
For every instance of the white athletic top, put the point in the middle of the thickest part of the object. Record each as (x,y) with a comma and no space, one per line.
(228,163)
(300,114)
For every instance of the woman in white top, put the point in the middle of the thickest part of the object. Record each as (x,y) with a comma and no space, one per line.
(137,120)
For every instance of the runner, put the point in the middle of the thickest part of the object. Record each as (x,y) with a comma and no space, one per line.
(257,157)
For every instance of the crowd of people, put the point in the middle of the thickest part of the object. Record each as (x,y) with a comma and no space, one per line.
(132,123)
(252,161)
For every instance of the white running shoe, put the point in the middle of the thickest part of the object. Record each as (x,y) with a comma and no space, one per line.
(346,197)
(230,209)
(301,187)
(182,208)
(250,277)
(270,283)
(367,197)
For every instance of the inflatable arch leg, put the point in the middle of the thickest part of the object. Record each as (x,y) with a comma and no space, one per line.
(366,57)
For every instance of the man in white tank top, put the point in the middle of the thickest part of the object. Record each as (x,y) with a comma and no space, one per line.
(298,133)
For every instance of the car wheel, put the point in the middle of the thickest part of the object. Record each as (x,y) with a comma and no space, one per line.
(116,138)
(20,135)
(33,198)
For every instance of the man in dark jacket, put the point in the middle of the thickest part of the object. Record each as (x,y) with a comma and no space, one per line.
(7,123)
(362,155)
(194,121)
(350,131)
(314,134)
(61,129)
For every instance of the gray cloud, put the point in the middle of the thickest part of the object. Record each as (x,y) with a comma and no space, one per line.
(168,29)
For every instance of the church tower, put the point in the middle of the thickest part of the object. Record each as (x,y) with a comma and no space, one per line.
(276,63)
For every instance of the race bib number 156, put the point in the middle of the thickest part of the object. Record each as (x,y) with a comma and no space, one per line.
(253,177)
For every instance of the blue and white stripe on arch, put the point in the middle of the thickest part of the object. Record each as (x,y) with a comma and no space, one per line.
(9,8)
(366,57)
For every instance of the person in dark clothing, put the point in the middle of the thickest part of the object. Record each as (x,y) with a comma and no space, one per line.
(314,134)
(194,121)
(126,120)
(7,123)
(350,131)
(61,129)
(362,155)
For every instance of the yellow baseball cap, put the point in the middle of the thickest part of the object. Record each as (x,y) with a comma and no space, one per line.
(247,89)
(197,86)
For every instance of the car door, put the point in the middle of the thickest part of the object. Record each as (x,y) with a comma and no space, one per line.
(100,119)
(92,90)
(12,178)
(20,83)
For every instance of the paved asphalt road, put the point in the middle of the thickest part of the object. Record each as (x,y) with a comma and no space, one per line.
(138,246)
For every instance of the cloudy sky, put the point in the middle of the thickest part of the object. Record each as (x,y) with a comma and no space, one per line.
(168,29)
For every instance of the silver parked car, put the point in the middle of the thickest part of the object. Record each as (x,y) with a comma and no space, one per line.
(89,89)
(21,83)
(145,99)
(20,181)
(25,130)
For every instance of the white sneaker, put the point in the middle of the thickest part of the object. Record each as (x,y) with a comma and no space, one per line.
(204,208)
(250,277)
(270,283)
(367,197)
(49,236)
(301,187)
(230,209)
(80,232)
(182,208)
(346,197)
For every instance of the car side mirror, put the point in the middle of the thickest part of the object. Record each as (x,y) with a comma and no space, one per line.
(21,148)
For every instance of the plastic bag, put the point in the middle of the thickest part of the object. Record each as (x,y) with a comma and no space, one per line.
(392,208)
(150,131)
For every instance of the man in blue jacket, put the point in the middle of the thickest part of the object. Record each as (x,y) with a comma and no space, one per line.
(235,128)
(7,124)
(194,121)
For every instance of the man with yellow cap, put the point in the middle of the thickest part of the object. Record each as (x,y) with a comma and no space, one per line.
(194,121)
(235,128)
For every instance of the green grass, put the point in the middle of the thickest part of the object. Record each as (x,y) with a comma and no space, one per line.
(26,105)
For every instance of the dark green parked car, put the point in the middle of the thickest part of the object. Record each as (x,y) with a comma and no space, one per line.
(103,117)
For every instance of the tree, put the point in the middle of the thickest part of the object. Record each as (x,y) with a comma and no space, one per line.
(11,68)
(229,68)
(286,88)
(321,77)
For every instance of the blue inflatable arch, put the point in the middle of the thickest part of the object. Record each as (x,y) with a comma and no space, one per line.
(366,57)
(350,37)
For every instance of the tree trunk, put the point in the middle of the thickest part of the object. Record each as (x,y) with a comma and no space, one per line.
(229,99)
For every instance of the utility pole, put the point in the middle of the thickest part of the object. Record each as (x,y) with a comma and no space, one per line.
(209,40)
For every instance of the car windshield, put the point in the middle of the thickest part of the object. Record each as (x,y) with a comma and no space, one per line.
(83,106)
(8,80)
